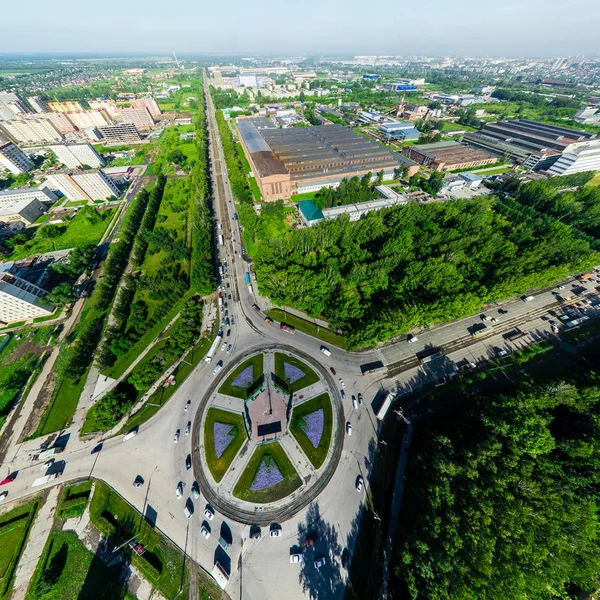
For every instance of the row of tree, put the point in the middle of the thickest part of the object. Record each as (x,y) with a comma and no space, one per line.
(148,222)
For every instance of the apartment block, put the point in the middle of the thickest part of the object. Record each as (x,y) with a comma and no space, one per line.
(147,103)
(83,119)
(65,106)
(42,194)
(83,185)
(60,121)
(124,133)
(577,161)
(109,106)
(20,300)
(14,159)
(23,210)
(140,117)
(11,106)
(31,131)
(38,105)
(77,155)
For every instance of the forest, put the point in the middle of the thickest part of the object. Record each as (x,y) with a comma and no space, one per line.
(501,494)
(421,264)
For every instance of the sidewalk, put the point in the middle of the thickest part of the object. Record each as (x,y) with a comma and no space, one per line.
(35,544)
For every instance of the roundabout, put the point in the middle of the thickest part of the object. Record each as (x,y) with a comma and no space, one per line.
(268,435)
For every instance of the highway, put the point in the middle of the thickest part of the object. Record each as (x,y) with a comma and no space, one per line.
(261,568)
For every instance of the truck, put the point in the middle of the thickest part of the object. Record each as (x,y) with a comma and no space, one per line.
(430,355)
(287,328)
(220,301)
(220,575)
(516,334)
(45,479)
(221,240)
(213,348)
(385,405)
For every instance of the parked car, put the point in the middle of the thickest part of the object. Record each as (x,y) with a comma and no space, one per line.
(196,490)
(348,428)
(47,464)
(320,562)
(188,462)
(343,394)
(209,513)
(296,558)
(138,482)
(333,371)
(176,436)
(311,538)
(276,530)
(205,531)
(359,483)
(342,382)
(255,533)
(179,490)
(3,496)
(411,339)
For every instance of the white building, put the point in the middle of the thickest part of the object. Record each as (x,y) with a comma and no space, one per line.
(247,80)
(577,161)
(11,106)
(31,131)
(42,194)
(14,159)
(89,118)
(20,300)
(140,117)
(149,104)
(24,210)
(77,155)
(38,105)
(83,185)
(109,106)
(124,133)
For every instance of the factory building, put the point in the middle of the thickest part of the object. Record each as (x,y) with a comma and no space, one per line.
(65,106)
(77,155)
(577,161)
(398,87)
(400,130)
(110,106)
(82,119)
(294,161)
(448,156)
(149,104)
(83,185)
(20,300)
(13,158)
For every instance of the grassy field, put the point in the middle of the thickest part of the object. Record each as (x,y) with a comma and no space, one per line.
(69,571)
(73,500)
(595,181)
(218,465)
(309,378)
(308,327)
(275,453)
(495,171)
(317,455)
(163,563)
(305,196)
(78,232)
(14,530)
(227,388)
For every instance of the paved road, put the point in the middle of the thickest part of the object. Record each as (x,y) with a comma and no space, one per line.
(261,568)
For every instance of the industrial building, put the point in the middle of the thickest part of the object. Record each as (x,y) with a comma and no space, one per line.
(535,145)
(31,131)
(13,158)
(577,161)
(448,156)
(400,130)
(83,185)
(140,117)
(42,194)
(77,155)
(125,133)
(20,300)
(24,210)
(398,87)
(291,161)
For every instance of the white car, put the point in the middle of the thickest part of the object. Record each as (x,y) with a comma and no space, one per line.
(209,513)
(179,490)
(188,427)
(205,532)
(223,346)
(555,328)
(359,483)
(275,532)
(561,287)
(412,339)
(229,348)
(176,436)
(47,464)
(342,382)
(3,496)
(320,562)
(296,558)
(187,405)
(348,428)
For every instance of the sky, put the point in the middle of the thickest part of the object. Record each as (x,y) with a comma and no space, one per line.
(315,27)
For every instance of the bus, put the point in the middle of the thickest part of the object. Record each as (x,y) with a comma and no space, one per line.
(387,402)
(221,240)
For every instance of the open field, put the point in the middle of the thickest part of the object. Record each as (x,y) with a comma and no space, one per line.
(274,454)
(317,455)
(218,465)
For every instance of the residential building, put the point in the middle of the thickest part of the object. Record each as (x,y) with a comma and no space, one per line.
(38,105)
(25,210)
(83,119)
(140,117)
(77,155)
(30,131)
(124,133)
(110,106)
(294,161)
(42,194)
(11,106)
(577,161)
(448,156)
(83,185)
(148,103)
(13,158)
(65,106)
(20,300)
(60,121)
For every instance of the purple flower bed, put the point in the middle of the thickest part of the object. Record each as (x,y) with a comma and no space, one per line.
(223,436)
(313,426)
(292,372)
(245,378)
(267,476)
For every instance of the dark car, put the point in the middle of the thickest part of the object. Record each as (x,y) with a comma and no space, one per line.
(311,538)
(138,482)
(502,311)
(188,462)
(333,372)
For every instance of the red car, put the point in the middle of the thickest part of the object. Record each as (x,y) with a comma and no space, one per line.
(8,479)
(332,371)
(311,539)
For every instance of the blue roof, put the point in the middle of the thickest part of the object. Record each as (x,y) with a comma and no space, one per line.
(309,210)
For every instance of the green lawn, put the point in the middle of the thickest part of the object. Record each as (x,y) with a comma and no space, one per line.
(495,171)
(67,570)
(309,378)
(160,397)
(305,196)
(228,389)
(73,500)
(218,465)
(317,455)
(163,563)
(78,232)
(595,181)
(255,189)
(275,454)
(308,327)
(14,530)
(75,203)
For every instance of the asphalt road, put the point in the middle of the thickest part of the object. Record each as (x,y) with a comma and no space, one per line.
(261,568)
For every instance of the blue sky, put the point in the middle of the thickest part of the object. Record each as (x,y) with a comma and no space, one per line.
(431,27)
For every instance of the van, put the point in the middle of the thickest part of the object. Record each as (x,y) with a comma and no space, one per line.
(325,351)
(355,404)
(187,512)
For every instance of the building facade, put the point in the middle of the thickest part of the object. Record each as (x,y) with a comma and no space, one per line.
(38,105)
(149,104)
(140,117)
(20,300)
(14,159)
(83,119)
(23,210)
(42,194)
(84,185)
(11,106)
(124,133)
(77,155)
(110,106)
(31,131)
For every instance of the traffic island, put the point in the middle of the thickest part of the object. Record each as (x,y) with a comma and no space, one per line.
(246,379)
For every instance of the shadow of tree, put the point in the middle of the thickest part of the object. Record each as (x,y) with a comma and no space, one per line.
(51,573)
